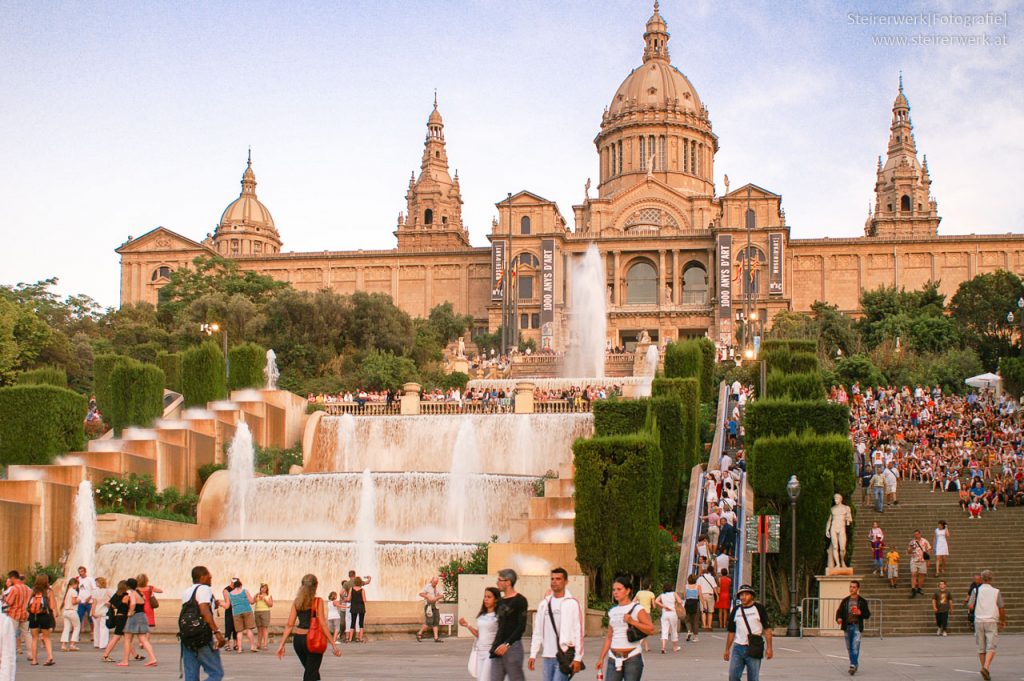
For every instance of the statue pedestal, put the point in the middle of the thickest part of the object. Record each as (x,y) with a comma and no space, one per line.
(460,364)
(833,587)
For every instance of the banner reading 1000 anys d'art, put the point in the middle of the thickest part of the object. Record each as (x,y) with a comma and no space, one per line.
(497,269)
(547,293)
(775,264)
(725,276)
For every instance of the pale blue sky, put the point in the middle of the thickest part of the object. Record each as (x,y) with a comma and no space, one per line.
(119,117)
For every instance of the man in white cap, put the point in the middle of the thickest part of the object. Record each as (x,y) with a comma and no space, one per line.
(749,638)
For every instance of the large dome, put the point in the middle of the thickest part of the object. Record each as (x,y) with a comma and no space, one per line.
(247,210)
(655,85)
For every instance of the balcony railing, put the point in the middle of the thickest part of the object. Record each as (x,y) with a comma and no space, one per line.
(366,409)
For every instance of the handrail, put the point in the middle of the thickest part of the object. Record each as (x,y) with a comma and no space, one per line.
(742,570)
(816,615)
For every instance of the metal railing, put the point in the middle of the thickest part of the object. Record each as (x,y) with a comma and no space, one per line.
(356,409)
(561,407)
(819,614)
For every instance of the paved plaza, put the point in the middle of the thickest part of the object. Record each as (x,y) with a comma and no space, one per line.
(925,658)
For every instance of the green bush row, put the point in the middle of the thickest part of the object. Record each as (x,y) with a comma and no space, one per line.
(791,344)
(801,386)
(170,363)
(247,362)
(619,417)
(39,422)
(137,394)
(48,375)
(202,375)
(781,416)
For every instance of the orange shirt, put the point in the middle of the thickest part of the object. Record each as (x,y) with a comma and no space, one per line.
(17,602)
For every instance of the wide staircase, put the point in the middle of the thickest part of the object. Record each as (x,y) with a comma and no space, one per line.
(993,542)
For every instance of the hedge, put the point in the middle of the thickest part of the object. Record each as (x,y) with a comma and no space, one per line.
(802,386)
(709,352)
(678,423)
(202,374)
(781,416)
(791,344)
(138,394)
(39,422)
(803,362)
(618,484)
(247,361)
(102,368)
(619,417)
(170,364)
(684,360)
(1012,371)
(48,375)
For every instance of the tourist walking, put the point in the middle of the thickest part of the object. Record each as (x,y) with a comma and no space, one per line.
(40,619)
(724,600)
(357,610)
(241,611)
(229,616)
(941,547)
(970,594)
(151,603)
(708,588)
(621,648)
(691,608)
(989,618)
(86,587)
(670,605)
(117,618)
(878,490)
(431,596)
(200,650)
(942,605)
(507,649)
(72,625)
(645,597)
(557,628)
(16,597)
(261,609)
(333,615)
(892,566)
(850,616)
(137,626)
(485,630)
(749,637)
(8,645)
(918,549)
(98,614)
(307,610)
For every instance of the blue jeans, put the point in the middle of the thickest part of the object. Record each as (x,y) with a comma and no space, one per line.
(878,493)
(207,658)
(853,643)
(632,669)
(740,661)
(550,672)
(83,615)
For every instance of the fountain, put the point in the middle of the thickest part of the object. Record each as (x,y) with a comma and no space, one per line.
(463,463)
(84,541)
(366,525)
(588,320)
(241,471)
(270,371)
(649,370)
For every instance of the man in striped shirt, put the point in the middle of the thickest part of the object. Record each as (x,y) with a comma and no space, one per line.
(15,599)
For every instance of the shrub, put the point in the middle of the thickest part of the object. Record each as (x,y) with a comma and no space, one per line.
(618,484)
(456,379)
(709,353)
(202,374)
(801,386)
(679,436)
(48,375)
(781,416)
(684,360)
(791,344)
(277,461)
(858,368)
(38,422)
(170,363)
(1012,371)
(619,417)
(102,367)
(777,359)
(137,392)
(246,366)
(803,362)
(208,469)
(473,564)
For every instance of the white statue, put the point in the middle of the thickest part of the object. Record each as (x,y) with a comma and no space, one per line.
(643,338)
(586,189)
(840,519)
(462,347)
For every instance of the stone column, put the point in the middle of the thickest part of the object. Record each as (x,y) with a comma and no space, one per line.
(410,400)
(524,397)
(615,278)
(661,278)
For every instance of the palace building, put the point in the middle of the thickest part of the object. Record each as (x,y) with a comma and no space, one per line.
(681,259)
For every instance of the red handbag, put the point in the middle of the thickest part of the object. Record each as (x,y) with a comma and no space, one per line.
(316,641)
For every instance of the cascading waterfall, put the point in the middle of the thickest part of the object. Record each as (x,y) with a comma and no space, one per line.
(270,371)
(346,441)
(84,540)
(366,526)
(241,474)
(463,463)
(588,320)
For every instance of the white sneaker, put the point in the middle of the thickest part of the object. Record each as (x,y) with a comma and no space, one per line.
(945,633)
(938,632)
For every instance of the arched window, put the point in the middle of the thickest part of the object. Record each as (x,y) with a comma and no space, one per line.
(905,203)
(642,284)
(525,265)
(257,246)
(643,152)
(524,225)
(162,272)
(428,217)
(695,284)
(751,279)
(661,152)
(693,157)
(618,164)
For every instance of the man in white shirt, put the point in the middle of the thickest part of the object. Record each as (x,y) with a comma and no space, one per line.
(431,596)
(207,657)
(707,588)
(746,619)
(565,611)
(86,586)
(987,604)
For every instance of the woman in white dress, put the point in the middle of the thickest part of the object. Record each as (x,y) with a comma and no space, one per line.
(941,545)
(668,601)
(486,628)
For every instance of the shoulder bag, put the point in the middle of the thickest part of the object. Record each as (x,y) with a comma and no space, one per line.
(924,554)
(632,633)
(755,642)
(153,602)
(316,641)
(563,657)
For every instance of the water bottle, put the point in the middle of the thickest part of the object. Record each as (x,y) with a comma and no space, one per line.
(600,674)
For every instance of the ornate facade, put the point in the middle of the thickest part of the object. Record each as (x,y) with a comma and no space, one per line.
(681,259)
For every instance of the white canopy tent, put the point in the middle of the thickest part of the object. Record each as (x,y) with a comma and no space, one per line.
(990,381)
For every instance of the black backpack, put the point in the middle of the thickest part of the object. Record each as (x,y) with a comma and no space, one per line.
(193,631)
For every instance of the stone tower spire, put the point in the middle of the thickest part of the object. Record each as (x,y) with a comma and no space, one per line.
(904,206)
(656,37)
(433,219)
(246,226)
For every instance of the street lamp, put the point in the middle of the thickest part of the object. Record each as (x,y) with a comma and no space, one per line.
(209,330)
(793,490)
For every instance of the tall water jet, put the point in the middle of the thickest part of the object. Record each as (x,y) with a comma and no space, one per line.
(345,442)
(241,472)
(366,527)
(270,371)
(588,321)
(648,370)
(463,464)
(84,539)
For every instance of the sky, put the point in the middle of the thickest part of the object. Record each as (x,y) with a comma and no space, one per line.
(118,117)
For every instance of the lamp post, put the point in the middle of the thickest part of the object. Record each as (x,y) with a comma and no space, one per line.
(793,490)
(209,330)
(1010,317)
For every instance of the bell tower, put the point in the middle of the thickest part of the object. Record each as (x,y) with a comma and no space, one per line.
(904,206)
(433,217)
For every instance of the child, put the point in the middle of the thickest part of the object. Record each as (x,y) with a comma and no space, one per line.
(876,552)
(892,560)
(333,616)
(974,509)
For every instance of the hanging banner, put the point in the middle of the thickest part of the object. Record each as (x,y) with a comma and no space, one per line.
(725,276)
(775,264)
(498,255)
(547,293)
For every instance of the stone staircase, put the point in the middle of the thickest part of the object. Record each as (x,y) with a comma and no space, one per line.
(993,542)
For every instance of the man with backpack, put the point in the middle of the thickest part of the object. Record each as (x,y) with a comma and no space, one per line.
(197,629)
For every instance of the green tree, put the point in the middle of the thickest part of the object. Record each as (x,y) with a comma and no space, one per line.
(858,368)
(211,274)
(446,324)
(247,362)
(383,370)
(202,375)
(137,390)
(980,306)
